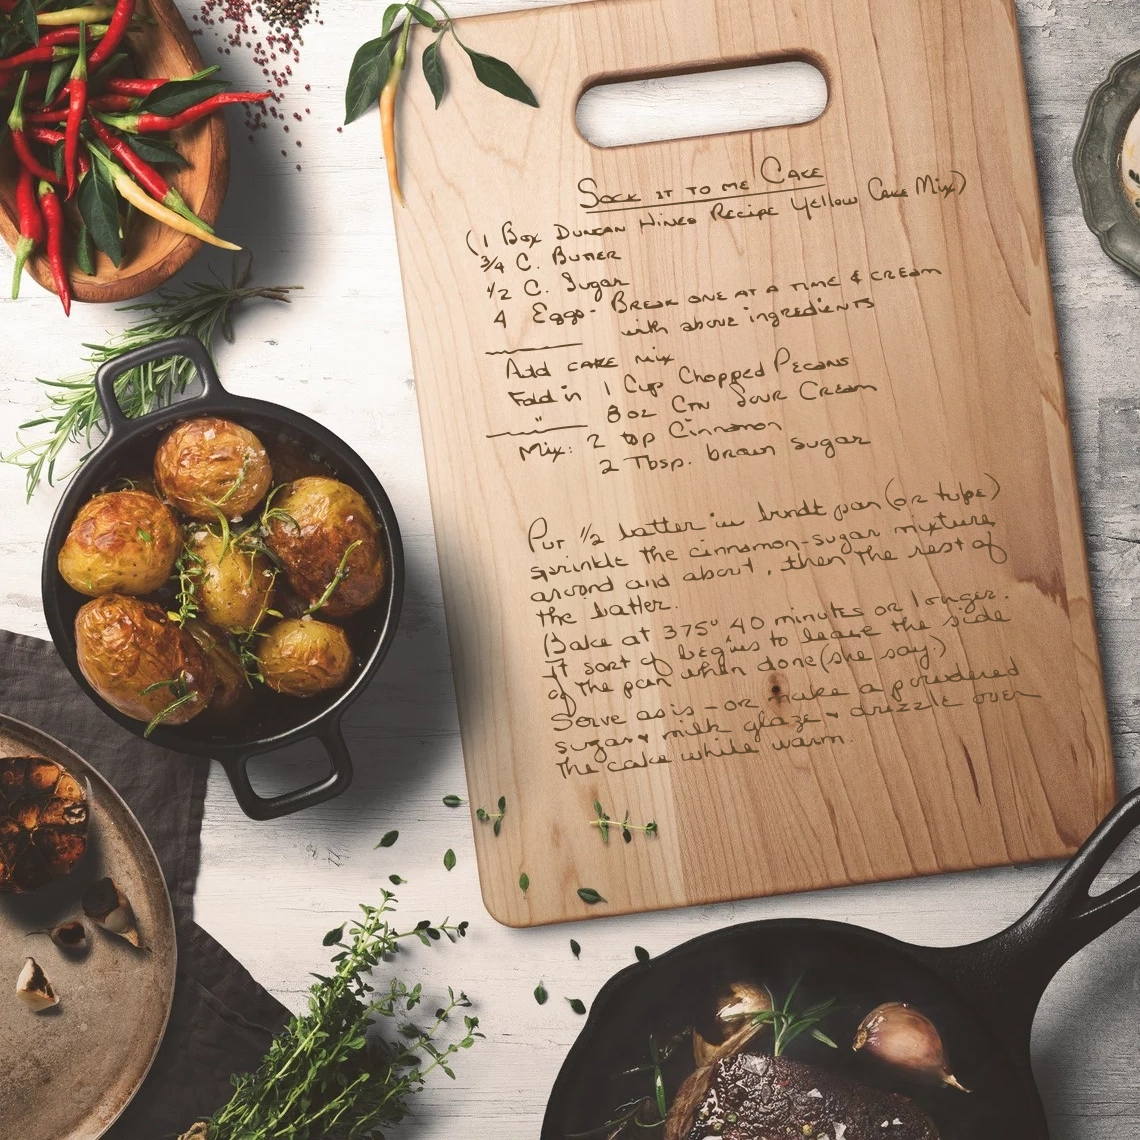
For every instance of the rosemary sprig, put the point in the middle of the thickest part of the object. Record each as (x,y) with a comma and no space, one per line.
(788,1024)
(202,309)
(338,577)
(181,696)
(327,1074)
(187,573)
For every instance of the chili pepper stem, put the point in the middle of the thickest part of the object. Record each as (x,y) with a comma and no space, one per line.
(25,247)
(388,112)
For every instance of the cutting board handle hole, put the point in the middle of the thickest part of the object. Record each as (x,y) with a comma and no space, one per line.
(700,103)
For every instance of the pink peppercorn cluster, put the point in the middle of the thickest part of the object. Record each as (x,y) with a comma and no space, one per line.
(270,30)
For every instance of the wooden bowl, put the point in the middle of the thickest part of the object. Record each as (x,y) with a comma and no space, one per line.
(152,252)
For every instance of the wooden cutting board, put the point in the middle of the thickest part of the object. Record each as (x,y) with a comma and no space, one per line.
(750,462)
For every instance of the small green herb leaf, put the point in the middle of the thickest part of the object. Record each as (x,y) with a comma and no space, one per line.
(367,76)
(144,535)
(524,882)
(396,881)
(502,803)
(481,815)
(578,1006)
(575,949)
(433,71)
(425,18)
(540,994)
(334,936)
(453,801)
(501,77)
(641,954)
(389,839)
(589,896)
(448,859)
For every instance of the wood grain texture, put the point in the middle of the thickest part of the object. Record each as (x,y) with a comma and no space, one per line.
(153,253)
(932,303)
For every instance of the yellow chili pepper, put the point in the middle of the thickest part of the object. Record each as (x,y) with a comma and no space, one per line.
(91,14)
(129,190)
(388,112)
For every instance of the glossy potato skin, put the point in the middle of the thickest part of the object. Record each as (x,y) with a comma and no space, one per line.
(313,521)
(234,589)
(233,693)
(207,462)
(302,657)
(120,542)
(123,645)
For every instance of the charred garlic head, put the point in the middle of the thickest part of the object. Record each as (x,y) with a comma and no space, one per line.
(900,1036)
(33,987)
(107,906)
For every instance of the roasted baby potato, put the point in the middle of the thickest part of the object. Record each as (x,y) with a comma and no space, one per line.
(302,657)
(140,662)
(233,693)
(235,588)
(120,542)
(206,465)
(328,543)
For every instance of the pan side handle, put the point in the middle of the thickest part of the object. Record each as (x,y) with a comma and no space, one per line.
(1011,971)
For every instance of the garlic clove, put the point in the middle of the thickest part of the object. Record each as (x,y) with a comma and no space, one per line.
(900,1036)
(107,906)
(33,987)
(71,936)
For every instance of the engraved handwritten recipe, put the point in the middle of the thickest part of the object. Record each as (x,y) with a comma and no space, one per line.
(750,469)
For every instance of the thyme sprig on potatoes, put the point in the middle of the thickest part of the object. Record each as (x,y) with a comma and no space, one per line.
(329,1074)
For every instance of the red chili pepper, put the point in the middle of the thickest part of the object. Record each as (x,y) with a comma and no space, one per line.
(31,226)
(20,142)
(53,220)
(47,136)
(58,36)
(53,116)
(76,110)
(146,123)
(113,102)
(135,86)
(116,30)
(44,54)
(145,174)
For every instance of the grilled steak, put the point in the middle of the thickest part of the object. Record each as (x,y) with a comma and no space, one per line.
(757,1097)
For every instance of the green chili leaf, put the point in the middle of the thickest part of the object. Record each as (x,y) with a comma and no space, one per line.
(60,73)
(453,801)
(589,896)
(178,95)
(25,13)
(540,994)
(85,258)
(575,949)
(448,859)
(334,936)
(390,14)
(425,18)
(99,208)
(524,882)
(641,954)
(578,1006)
(501,77)
(367,76)
(389,838)
(433,71)
(156,151)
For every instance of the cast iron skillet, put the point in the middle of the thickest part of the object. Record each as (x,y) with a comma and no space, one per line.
(982,998)
(273,721)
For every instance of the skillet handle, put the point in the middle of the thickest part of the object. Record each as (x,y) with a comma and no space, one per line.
(1067,916)
(273,807)
(190,347)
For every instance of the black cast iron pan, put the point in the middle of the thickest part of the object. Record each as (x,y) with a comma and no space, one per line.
(982,999)
(301,444)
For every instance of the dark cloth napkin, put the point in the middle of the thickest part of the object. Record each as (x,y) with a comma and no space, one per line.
(222,1020)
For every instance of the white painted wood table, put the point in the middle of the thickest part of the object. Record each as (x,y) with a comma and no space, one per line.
(340,354)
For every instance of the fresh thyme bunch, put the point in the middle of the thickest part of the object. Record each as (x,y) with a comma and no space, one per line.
(326,1076)
(202,309)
